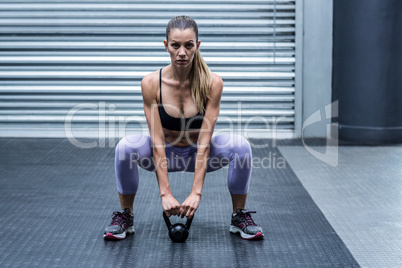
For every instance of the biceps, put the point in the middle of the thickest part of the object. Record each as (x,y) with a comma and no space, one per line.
(150,114)
(207,128)
(154,124)
(211,115)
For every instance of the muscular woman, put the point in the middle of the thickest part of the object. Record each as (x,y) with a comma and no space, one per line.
(181,105)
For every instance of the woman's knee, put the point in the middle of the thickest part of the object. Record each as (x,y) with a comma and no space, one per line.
(131,146)
(242,146)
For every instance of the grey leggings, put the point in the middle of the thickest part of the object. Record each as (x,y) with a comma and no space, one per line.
(136,150)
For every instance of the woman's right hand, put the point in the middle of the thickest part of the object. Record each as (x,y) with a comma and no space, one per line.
(170,205)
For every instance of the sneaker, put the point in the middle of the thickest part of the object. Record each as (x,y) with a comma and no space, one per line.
(122,223)
(243,223)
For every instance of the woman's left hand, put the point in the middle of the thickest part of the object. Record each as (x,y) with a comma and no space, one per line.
(190,205)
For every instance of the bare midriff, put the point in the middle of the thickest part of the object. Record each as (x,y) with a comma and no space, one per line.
(181,138)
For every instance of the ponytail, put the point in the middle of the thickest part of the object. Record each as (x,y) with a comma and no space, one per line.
(201,81)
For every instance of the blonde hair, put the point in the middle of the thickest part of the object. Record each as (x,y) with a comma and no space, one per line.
(200,76)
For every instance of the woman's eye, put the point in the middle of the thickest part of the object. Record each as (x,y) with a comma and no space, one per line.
(187,46)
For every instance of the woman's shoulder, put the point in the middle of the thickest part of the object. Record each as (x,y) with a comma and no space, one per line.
(150,80)
(217,82)
(216,78)
(150,85)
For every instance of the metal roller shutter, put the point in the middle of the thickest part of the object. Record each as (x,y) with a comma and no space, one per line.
(55,55)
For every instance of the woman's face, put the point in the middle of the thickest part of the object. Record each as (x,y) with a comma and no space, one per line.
(182,46)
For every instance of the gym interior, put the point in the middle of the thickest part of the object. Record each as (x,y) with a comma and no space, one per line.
(315,86)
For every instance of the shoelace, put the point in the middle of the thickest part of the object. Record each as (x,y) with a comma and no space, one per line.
(118,217)
(247,218)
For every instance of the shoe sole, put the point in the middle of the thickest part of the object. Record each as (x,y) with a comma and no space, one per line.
(235,229)
(110,236)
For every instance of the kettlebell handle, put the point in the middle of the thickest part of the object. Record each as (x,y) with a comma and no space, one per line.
(167,221)
(168,224)
(188,223)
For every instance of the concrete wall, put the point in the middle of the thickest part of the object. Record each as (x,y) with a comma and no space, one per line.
(317,63)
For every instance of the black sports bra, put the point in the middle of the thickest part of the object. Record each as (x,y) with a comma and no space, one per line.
(175,123)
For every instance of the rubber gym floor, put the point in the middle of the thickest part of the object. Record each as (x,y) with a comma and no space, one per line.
(56,200)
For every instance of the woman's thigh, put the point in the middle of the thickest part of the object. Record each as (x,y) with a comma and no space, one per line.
(223,149)
(136,149)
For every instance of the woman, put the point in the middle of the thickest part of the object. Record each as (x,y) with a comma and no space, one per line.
(181,105)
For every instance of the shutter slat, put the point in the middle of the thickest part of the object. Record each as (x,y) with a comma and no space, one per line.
(140,5)
(140,45)
(124,14)
(142,22)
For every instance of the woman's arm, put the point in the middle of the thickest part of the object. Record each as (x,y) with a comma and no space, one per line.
(191,204)
(149,93)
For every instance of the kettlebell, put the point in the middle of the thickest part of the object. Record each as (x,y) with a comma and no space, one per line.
(178,232)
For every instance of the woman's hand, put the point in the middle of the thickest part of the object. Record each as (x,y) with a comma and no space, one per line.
(170,205)
(190,205)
